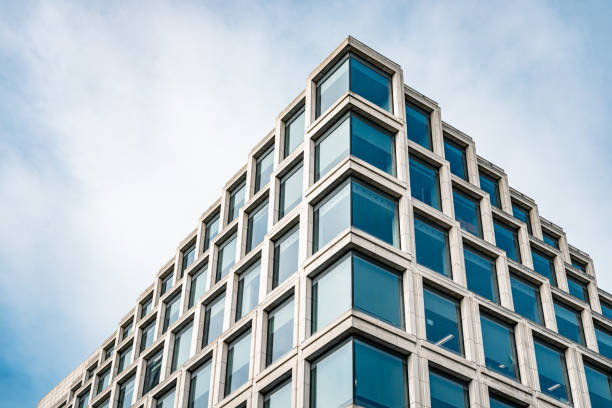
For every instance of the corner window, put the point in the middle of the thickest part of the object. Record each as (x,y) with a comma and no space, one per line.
(147,335)
(358,76)
(235,202)
(248,290)
(226,257)
(443,320)
(290,191)
(604,340)
(257,226)
(188,257)
(263,168)
(491,186)
(152,371)
(552,371)
(446,391)
(125,359)
(432,248)
(522,214)
(526,298)
(481,274)
(198,284)
(294,132)
(172,311)
(279,397)
(599,384)
(238,357)
(506,238)
(418,125)
(425,183)
(360,374)
(280,331)
(182,346)
(126,393)
(499,346)
(286,253)
(455,154)
(569,323)
(550,239)
(212,229)
(166,400)
(166,283)
(578,289)
(467,212)
(199,387)
(213,319)
(544,265)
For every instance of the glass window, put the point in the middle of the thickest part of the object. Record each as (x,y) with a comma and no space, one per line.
(467,212)
(578,289)
(172,311)
(418,126)
(550,240)
(126,393)
(432,249)
(375,213)
(378,379)
(84,400)
(455,154)
(213,319)
(108,352)
(286,256)
(126,330)
(248,290)
(526,297)
(600,386)
(263,168)
(481,274)
(103,380)
(362,138)
(236,201)
(238,357)
(606,309)
(443,320)
(125,358)
(447,392)
(226,257)
(188,257)
(152,371)
(543,264)
(499,346)
(491,186)
(604,340)
(332,86)
(279,397)
(257,226)
(497,402)
(506,238)
(331,293)
(578,265)
(148,333)
(146,306)
(199,387)
(166,283)
(294,132)
(522,214)
(331,216)
(280,331)
(182,346)
(198,284)
(212,229)
(104,404)
(290,191)
(569,323)
(552,371)
(166,400)
(424,183)
(90,370)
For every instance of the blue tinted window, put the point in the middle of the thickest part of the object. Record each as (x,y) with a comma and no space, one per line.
(375,213)
(506,238)
(332,147)
(294,132)
(467,212)
(212,229)
(606,309)
(418,125)
(280,331)
(424,183)
(248,290)
(526,297)
(332,216)
(331,379)
(578,265)
(543,264)
(481,274)
(332,86)
(198,284)
(331,293)
(188,257)
(125,359)
(166,400)
(432,249)
(148,333)
(166,283)
(172,311)
(447,392)
(226,257)
(578,289)
(569,323)
(496,402)
(126,393)
(103,380)
(286,256)
(552,372)
(371,144)
(280,397)
(550,240)
(604,341)
(499,347)
(146,307)
(152,371)
(523,215)
(455,154)
(257,226)
(236,202)
(290,191)
(600,387)
(491,186)
(182,346)
(83,400)
(199,387)
(370,83)
(263,168)
(238,357)
(443,321)
(213,320)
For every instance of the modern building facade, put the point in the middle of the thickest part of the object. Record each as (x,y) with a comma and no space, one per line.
(364,256)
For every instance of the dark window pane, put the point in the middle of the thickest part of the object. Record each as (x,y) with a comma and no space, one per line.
(166,283)
(569,323)
(152,371)
(432,250)
(280,331)
(491,186)
(331,216)
(331,293)
(199,387)
(552,372)
(290,191)
(496,402)
(523,215)
(198,284)
(600,387)
(332,87)
(238,357)
(543,264)
(371,84)
(331,382)
(280,397)
(257,226)
(127,330)
(604,340)
(146,307)
(226,257)
(286,256)
(84,400)
(499,347)
(263,168)
(467,212)
(126,393)
(606,309)
(481,274)
(148,333)
(248,290)
(417,125)
(213,320)
(182,346)
(447,392)
(375,213)
(424,183)
(103,380)
(172,312)
(526,297)
(578,265)
(332,147)
(506,238)
(371,144)
(236,202)
(578,289)
(188,257)
(550,240)
(125,359)
(443,321)
(294,132)
(212,229)
(455,154)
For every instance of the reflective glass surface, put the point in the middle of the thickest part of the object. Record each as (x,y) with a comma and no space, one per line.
(371,143)
(496,402)
(552,371)
(125,358)
(103,380)
(172,311)
(126,393)
(506,238)
(248,290)
(424,183)
(332,216)
(550,240)
(152,371)
(212,229)
(467,212)
(257,226)
(294,132)
(604,340)
(166,400)
(146,307)
(331,382)
(443,321)
(543,264)
(370,83)
(213,320)
(455,154)
(577,289)
(127,330)
(375,213)
(166,283)
(432,250)
(332,147)
(481,274)
(280,331)
(418,126)
(148,333)
(578,265)
(226,257)
(290,191)
(491,186)
(447,392)
(199,387)
(606,309)
(263,168)
(332,87)
(236,201)
(84,400)
(522,214)
(286,256)
(526,297)
(238,357)
(600,387)
(182,346)
(198,284)
(279,397)
(499,346)
(331,293)
(569,323)
(188,257)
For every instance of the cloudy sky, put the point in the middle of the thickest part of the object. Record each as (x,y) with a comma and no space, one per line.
(121,121)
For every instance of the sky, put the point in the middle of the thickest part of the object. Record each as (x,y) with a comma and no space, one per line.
(121,121)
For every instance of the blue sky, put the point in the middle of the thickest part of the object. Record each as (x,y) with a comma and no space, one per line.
(120,122)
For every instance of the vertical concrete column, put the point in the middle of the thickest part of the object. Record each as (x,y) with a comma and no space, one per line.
(472,164)
(503,282)
(504,194)
(486,216)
